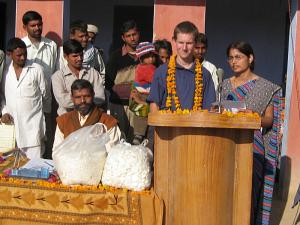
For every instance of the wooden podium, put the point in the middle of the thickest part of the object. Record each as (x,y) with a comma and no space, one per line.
(203,167)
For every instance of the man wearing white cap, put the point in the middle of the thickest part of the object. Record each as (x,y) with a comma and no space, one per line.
(92,32)
(91,55)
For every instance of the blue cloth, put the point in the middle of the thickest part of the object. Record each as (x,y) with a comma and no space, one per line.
(185,87)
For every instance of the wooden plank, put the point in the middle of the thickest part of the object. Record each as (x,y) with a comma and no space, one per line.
(204,119)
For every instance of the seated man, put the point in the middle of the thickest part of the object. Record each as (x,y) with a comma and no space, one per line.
(85,113)
(63,79)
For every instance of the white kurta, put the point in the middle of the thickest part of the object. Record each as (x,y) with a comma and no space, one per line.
(45,56)
(24,100)
(213,71)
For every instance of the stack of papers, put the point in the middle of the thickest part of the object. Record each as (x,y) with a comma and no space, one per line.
(38,163)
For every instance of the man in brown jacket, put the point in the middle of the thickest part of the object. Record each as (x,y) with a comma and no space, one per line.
(85,113)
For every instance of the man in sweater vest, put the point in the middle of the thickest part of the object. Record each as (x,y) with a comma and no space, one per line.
(85,113)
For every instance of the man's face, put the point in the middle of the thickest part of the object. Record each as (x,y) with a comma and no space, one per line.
(91,37)
(83,100)
(200,51)
(34,28)
(81,37)
(19,56)
(74,60)
(185,44)
(131,38)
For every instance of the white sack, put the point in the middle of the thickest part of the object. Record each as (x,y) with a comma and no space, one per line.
(80,158)
(128,166)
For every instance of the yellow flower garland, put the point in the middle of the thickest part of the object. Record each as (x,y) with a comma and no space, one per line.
(57,185)
(171,86)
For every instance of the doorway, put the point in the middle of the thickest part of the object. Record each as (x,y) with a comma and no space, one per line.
(2,24)
(142,15)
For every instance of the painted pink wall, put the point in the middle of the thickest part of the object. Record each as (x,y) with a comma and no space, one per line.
(52,13)
(293,150)
(168,13)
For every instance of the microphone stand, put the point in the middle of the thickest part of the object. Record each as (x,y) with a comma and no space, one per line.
(220,74)
(219,97)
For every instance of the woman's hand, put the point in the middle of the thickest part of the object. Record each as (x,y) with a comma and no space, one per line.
(246,110)
(268,117)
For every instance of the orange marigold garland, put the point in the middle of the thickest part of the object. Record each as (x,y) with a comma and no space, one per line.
(171,86)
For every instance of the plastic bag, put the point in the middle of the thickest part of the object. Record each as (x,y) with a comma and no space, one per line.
(128,166)
(80,158)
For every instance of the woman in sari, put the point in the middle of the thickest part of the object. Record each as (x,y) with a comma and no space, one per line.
(261,96)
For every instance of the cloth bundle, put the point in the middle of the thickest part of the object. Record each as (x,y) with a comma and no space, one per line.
(128,166)
(80,158)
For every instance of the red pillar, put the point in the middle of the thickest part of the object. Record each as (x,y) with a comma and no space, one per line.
(168,13)
(52,13)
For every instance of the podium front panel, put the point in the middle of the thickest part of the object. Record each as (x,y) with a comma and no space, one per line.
(204,175)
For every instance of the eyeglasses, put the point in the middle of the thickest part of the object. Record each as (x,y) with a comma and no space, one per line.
(236,57)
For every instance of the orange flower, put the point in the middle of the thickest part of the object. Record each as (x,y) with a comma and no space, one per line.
(171,87)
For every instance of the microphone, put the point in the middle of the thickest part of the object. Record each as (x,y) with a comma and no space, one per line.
(220,74)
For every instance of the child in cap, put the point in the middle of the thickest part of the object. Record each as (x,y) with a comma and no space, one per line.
(147,55)
(144,72)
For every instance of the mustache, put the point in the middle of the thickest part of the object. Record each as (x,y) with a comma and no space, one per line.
(84,108)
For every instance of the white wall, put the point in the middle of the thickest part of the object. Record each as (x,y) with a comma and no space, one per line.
(261,23)
(100,13)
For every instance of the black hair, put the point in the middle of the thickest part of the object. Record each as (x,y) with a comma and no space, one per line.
(201,38)
(15,43)
(128,25)
(31,15)
(80,84)
(185,27)
(72,46)
(148,54)
(165,44)
(244,48)
(78,25)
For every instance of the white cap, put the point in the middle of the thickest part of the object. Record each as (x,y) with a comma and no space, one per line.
(92,28)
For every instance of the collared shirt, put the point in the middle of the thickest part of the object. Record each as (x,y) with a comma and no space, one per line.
(91,58)
(185,87)
(213,72)
(131,54)
(24,100)
(45,55)
(62,81)
(114,134)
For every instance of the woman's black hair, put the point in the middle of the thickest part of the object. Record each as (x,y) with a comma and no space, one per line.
(244,48)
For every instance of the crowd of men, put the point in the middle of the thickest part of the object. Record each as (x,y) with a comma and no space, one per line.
(42,83)
(49,92)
